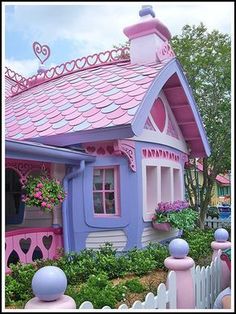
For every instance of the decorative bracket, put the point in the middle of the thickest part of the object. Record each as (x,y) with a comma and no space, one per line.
(23,168)
(165,52)
(127,149)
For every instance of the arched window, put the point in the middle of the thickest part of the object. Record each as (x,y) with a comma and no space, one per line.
(14,205)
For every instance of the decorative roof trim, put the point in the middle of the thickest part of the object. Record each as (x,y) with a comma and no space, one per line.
(16,77)
(172,67)
(102,58)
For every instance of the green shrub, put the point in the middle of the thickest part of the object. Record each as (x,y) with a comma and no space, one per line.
(18,283)
(134,285)
(199,242)
(99,291)
(159,253)
(140,262)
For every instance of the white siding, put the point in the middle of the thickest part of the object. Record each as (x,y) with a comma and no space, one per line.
(96,239)
(151,235)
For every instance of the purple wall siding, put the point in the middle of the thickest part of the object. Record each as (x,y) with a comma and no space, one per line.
(83,221)
(81,215)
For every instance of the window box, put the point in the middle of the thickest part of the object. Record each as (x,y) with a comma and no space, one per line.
(163,226)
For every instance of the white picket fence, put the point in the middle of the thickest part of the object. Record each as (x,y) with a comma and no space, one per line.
(207,283)
(217,222)
(207,287)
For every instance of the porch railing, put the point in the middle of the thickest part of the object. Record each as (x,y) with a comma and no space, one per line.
(28,244)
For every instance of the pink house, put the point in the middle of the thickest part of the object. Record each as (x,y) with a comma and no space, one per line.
(116,128)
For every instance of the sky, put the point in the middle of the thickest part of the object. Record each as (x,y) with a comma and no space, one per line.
(76,29)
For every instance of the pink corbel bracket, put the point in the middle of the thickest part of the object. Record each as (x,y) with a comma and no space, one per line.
(165,52)
(127,149)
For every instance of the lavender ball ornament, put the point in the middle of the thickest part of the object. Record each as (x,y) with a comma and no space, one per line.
(49,283)
(221,235)
(178,248)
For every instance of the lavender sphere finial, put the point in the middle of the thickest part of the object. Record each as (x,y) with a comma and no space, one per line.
(221,235)
(178,248)
(49,283)
(146,9)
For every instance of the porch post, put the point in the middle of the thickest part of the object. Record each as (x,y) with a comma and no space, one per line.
(57,172)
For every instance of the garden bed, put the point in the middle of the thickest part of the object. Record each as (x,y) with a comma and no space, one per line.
(105,277)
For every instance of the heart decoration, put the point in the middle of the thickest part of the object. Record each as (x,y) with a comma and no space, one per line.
(40,51)
(47,241)
(25,244)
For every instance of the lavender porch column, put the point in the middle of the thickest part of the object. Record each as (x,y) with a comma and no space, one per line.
(182,264)
(221,242)
(49,284)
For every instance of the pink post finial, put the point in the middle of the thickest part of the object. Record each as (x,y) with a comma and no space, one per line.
(41,51)
(221,242)
(182,264)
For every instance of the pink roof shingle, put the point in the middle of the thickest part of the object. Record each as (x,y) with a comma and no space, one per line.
(108,95)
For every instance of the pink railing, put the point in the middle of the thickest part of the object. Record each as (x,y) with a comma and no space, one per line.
(24,243)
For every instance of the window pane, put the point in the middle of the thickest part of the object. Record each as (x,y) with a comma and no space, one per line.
(109,179)
(98,203)
(98,179)
(110,202)
(13,193)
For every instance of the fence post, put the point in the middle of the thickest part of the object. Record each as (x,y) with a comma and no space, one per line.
(182,264)
(49,284)
(221,236)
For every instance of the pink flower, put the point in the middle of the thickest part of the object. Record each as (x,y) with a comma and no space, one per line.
(49,206)
(36,195)
(59,196)
(61,200)
(36,189)
(44,204)
(40,197)
(39,185)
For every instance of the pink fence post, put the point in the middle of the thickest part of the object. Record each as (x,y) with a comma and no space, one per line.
(182,264)
(49,284)
(221,242)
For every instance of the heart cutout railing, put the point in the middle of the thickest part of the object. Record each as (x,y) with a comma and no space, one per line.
(25,245)
(47,241)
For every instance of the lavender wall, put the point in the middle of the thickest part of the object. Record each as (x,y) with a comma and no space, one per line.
(81,207)
(82,222)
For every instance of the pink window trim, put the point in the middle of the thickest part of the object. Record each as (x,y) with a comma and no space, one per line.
(116,192)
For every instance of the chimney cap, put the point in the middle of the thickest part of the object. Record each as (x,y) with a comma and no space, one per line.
(146,9)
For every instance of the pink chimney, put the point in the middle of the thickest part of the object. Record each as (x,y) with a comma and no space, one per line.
(149,39)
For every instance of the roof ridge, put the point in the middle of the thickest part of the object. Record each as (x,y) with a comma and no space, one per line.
(14,76)
(91,61)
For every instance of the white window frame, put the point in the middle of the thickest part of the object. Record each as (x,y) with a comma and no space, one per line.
(158,163)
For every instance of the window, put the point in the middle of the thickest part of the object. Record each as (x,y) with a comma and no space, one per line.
(166,187)
(105,193)
(14,205)
(151,184)
(177,184)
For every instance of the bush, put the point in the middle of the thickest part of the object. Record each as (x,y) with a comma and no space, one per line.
(213,212)
(140,262)
(199,242)
(134,285)
(99,291)
(159,253)
(18,283)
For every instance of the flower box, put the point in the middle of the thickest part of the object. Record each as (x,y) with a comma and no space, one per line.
(163,226)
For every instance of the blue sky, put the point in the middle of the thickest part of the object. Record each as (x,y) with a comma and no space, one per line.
(77,29)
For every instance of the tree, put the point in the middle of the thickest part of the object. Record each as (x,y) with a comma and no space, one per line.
(206,60)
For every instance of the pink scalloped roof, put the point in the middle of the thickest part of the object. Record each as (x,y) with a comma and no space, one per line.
(8,85)
(98,97)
